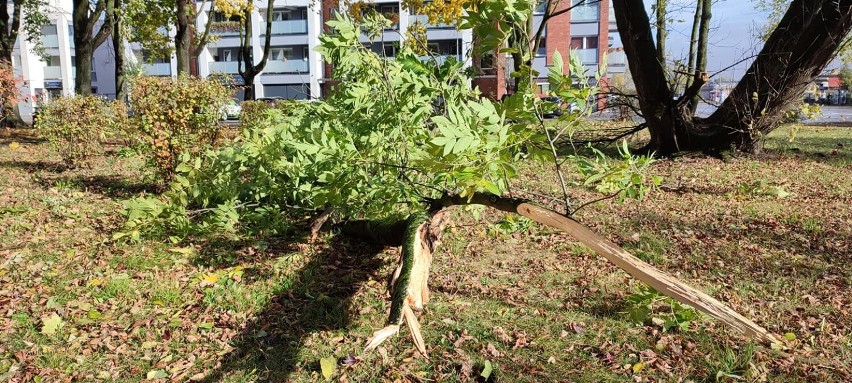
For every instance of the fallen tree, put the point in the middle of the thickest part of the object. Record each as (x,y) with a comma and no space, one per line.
(399,143)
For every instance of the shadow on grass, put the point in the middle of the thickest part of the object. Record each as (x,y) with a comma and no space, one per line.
(19,135)
(319,299)
(34,166)
(112,186)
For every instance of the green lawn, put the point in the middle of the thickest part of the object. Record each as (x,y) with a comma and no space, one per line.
(771,236)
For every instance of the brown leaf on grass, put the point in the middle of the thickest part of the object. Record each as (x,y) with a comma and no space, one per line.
(491,350)
(502,335)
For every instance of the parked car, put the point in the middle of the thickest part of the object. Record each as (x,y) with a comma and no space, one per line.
(230,111)
(553,105)
(271,100)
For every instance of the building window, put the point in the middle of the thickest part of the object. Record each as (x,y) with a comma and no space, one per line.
(487,60)
(540,7)
(584,42)
(585,10)
(542,47)
(48,30)
(290,14)
(586,47)
(389,50)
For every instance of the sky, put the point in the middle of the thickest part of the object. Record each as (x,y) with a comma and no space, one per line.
(734,28)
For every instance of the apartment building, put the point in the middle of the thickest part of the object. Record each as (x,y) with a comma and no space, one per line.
(295,70)
(53,73)
(588,30)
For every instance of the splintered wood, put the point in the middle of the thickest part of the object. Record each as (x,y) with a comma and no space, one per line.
(644,272)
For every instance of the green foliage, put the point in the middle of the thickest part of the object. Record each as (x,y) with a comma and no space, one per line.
(649,305)
(77,126)
(395,134)
(511,224)
(626,178)
(802,111)
(762,188)
(176,118)
(34,19)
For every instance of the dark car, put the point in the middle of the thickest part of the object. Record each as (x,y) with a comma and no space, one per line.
(553,106)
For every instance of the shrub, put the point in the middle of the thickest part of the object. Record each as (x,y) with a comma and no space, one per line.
(77,126)
(176,117)
(252,114)
(9,92)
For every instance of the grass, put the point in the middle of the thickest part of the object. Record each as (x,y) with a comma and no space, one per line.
(532,303)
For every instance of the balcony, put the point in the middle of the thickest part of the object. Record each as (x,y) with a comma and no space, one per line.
(224,67)
(288,66)
(587,56)
(225,28)
(157,69)
(617,59)
(286,27)
(423,19)
(53,72)
(50,41)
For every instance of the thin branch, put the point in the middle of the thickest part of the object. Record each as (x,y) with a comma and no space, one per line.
(604,198)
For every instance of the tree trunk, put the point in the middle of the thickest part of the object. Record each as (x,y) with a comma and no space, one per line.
(796,52)
(637,268)
(118,48)
(9,25)
(252,70)
(661,31)
(693,43)
(182,37)
(85,42)
(83,62)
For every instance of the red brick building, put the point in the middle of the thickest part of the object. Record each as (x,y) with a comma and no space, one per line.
(588,30)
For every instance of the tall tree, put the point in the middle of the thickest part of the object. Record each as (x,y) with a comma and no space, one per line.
(26,16)
(186,17)
(118,48)
(86,15)
(662,33)
(246,65)
(805,40)
(9,26)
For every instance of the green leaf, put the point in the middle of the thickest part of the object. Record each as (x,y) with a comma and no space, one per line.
(205,325)
(639,314)
(51,324)
(486,370)
(94,314)
(558,64)
(328,367)
(790,336)
(156,374)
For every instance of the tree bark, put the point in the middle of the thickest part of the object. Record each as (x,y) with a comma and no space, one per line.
(693,43)
(252,70)
(118,48)
(797,51)
(661,31)
(9,29)
(182,31)
(85,42)
(801,46)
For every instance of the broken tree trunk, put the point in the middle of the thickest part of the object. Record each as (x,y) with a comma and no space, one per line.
(640,270)
(409,284)
(644,272)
